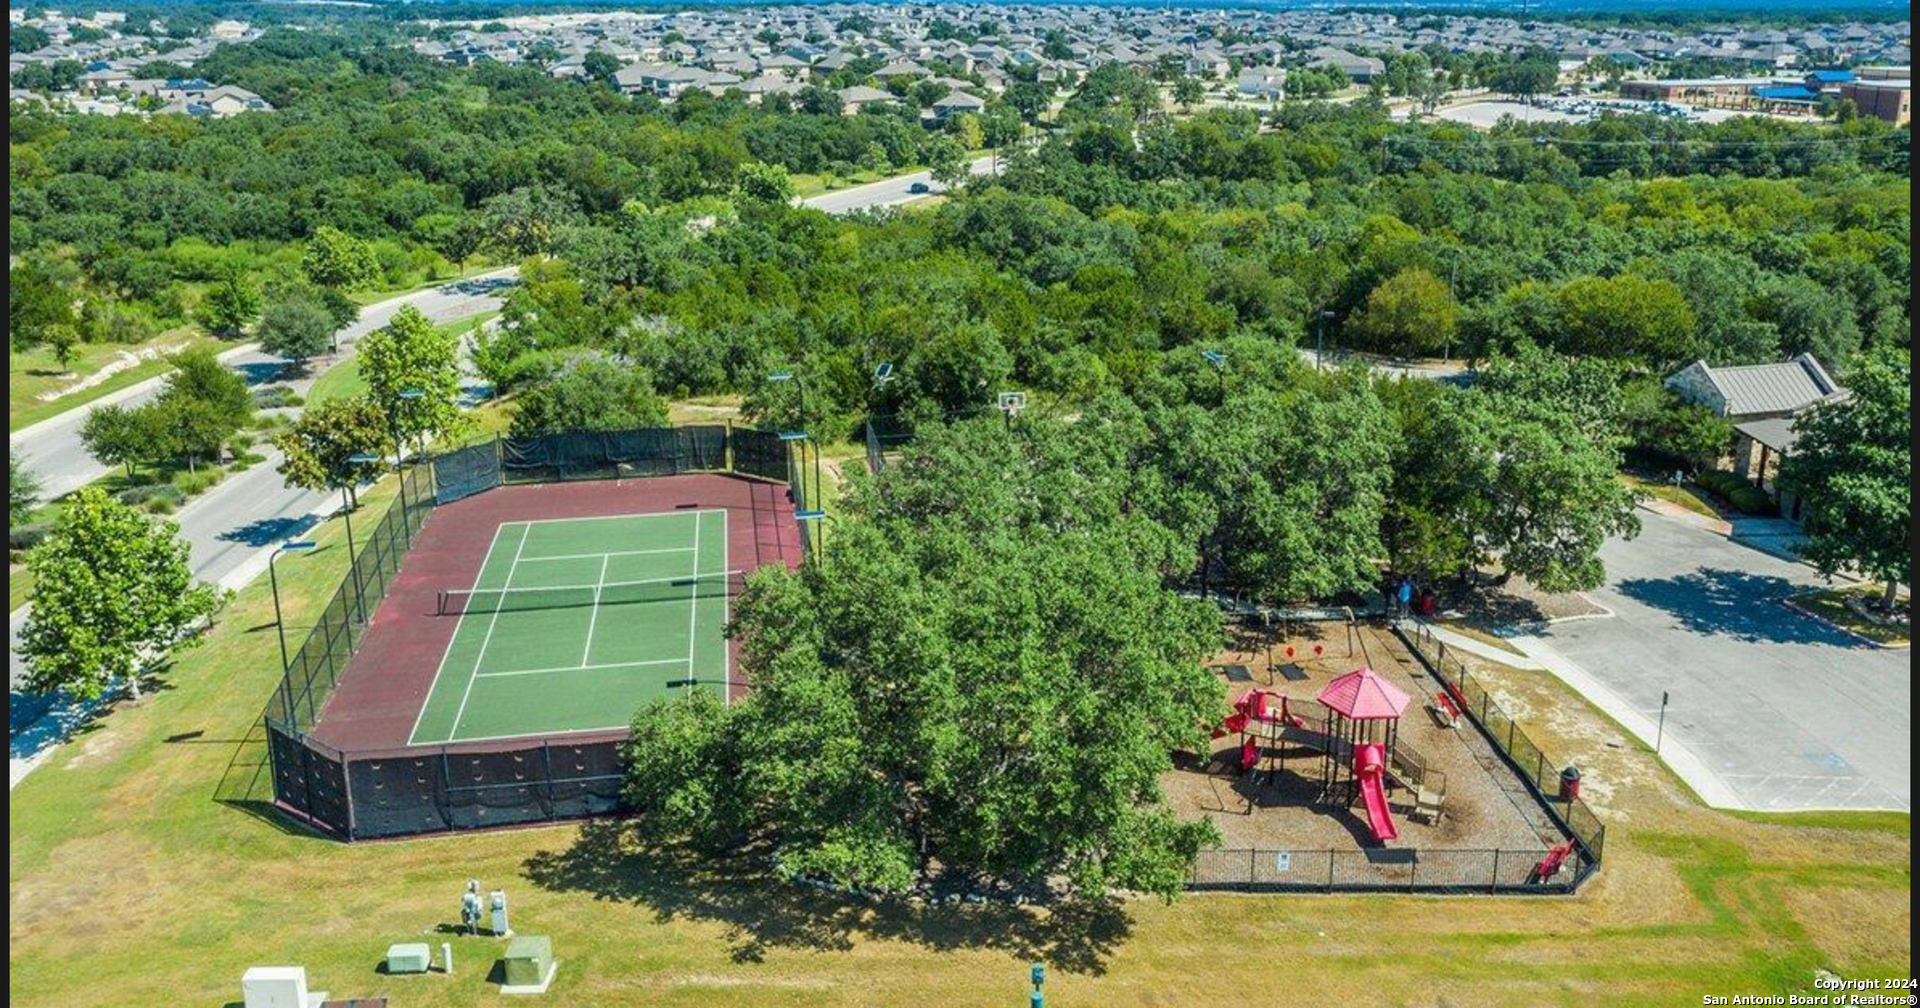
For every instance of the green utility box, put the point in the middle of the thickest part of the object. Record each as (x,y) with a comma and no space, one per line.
(409,957)
(529,958)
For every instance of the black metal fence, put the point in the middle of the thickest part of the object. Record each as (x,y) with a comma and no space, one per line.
(1408,870)
(314,670)
(1540,772)
(400,792)
(436,789)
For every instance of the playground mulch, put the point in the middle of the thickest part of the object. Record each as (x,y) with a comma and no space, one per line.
(1486,806)
(380,699)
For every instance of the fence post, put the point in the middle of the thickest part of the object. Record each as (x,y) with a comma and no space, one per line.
(1493,881)
(546,750)
(1253,857)
(1329,870)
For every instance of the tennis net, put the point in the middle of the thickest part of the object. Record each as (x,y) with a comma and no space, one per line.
(484,601)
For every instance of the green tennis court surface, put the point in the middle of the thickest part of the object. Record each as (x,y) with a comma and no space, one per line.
(573,623)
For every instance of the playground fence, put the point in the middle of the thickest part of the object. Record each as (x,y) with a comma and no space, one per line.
(1540,772)
(1404,870)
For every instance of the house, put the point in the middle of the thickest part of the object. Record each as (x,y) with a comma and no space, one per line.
(1266,83)
(1360,69)
(859,96)
(1761,401)
(955,103)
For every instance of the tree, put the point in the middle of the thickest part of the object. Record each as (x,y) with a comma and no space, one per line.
(339,261)
(412,355)
(589,392)
(1283,486)
(23,490)
(116,435)
(297,328)
(40,309)
(231,303)
(1188,92)
(992,615)
(111,591)
(198,377)
(947,162)
(528,220)
(768,183)
(1525,78)
(600,66)
(1852,465)
(1410,314)
(318,448)
(1624,317)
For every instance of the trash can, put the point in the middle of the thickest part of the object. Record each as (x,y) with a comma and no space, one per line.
(1569,784)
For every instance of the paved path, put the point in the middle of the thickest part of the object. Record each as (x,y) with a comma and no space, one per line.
(1770,710)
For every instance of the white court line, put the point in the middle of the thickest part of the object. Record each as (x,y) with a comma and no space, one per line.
(492,622)
(444,655)
(593,618)
(693,604)
(596,556)
(577,668)
(622,517)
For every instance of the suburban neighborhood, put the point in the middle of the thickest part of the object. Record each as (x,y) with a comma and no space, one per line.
(959,503)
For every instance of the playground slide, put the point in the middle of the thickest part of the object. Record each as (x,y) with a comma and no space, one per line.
(1368,768)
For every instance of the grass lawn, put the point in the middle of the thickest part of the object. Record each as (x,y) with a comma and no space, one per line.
(344,381)
(130,883)
(32,373)
(1831,604)
(1686,494)
(19,586)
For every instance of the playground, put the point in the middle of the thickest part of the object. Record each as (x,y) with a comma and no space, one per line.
(1340,757)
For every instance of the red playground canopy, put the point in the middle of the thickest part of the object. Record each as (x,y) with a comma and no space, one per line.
(1363,696)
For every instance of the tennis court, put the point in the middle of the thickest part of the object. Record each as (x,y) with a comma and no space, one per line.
(572,623)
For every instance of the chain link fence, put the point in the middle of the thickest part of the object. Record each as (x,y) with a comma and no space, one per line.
(1540,772)
(1398,869)
(401,792)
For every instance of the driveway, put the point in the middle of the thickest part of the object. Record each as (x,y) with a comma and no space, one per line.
(1770,710)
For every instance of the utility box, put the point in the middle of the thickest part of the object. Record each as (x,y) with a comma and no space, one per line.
(409,957)
(278,987)
(528,962)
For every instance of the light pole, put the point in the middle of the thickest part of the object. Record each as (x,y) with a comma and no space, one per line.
(405,396)
(1219,362)
(347,504)
(273,577)
(817,520)
(1319,340)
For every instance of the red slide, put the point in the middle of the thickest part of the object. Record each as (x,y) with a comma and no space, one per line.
(1369,767)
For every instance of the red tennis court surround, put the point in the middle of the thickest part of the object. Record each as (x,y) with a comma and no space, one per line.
(380,696)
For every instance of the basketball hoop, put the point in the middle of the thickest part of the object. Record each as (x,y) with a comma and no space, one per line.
(1011,403)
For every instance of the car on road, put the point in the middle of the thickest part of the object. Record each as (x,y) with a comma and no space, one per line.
(919,187)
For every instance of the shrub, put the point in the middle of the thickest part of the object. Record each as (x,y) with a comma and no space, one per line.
(160,506)
(190,483)
(275,397)
(24,538)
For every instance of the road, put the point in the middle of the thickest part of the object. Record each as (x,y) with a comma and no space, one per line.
(52,448)
(889,192)
(230,528)
(1769,709)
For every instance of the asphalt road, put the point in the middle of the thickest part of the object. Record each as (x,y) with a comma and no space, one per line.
(1771,710)
(52,448)
(889,192)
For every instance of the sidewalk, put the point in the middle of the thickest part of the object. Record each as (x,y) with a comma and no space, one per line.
(1776,537)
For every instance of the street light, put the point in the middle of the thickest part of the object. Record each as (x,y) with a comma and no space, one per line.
(1319,340)
(353,552)
(816,518)
(1219,362)
(273,577)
